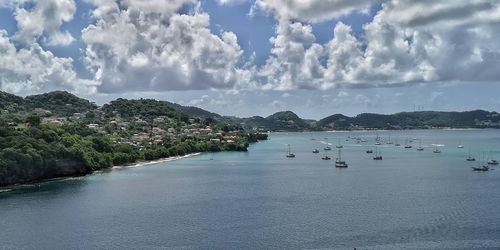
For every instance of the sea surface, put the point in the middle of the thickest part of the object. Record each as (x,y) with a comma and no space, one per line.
(262,200)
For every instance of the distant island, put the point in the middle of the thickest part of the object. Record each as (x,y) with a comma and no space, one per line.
(58,134)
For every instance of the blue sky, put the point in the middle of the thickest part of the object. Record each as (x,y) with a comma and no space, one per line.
(256,57)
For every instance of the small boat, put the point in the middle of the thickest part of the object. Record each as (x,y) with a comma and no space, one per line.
(327,148)
(483,168)
(326,157)
(420,148)
(377,156)
(397,145)
(289,153)
(378,143)
(315,151)
(369,151)
(470,158)
(493,162)
(407,145)
(339,145)
(339,163)
(364,140)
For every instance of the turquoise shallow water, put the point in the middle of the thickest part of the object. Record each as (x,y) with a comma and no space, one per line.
(261,199)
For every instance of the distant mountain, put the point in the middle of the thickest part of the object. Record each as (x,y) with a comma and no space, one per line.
(65,104)
(280,121)
(284,121)
(287,120)
(410,120)
(193,111)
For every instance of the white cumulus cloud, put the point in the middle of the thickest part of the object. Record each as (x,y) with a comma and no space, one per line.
(142,48)
(407,42)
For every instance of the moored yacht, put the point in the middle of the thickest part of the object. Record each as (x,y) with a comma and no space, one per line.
(326,157)
(377,155)
(420,148)
(339,163)
(493,162)
(289,153)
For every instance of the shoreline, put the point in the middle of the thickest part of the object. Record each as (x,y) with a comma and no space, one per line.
(371,130)
(11,188)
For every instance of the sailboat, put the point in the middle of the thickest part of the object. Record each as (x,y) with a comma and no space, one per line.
(326,157)
(436,150)
(315,151)
(369,151)
(339,163)
(420,148)
(470,158)
(481,168)
(377,155)
(389,142)
(460,144)
(407,145)
(327,147)
(289,153)
(339,145)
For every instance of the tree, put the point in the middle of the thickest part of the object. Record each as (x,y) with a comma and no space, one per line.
(33,120)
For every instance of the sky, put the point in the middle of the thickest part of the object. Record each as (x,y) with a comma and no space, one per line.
(257,57)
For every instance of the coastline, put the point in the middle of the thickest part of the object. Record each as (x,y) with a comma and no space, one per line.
(371,130)
(11,188)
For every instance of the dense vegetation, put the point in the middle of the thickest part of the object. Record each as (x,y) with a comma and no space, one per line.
(145,108)
(58,102)
(288,121)
(411,120)
(32,150)
(194,111)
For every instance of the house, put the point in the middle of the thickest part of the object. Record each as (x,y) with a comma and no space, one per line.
(93,126)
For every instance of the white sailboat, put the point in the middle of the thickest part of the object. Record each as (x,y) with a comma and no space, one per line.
(339,163)
(289,153)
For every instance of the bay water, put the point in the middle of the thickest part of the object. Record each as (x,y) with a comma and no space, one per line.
(261,199)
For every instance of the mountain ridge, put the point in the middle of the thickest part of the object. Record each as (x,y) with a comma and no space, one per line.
(65,103)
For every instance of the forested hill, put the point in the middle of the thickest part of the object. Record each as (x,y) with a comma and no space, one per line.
(194,111)
(58,134)
(147,109)
(412,120)
(57,102)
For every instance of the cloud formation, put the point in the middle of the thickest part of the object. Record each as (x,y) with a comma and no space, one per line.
(149,45)
(44,21)
(26,67)
(312,10)
(407,42)
(141,48)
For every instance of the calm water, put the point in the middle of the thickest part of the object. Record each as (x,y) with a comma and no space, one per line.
(261,199)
